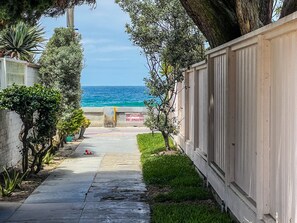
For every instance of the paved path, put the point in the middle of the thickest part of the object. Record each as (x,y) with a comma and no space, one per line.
(104,187)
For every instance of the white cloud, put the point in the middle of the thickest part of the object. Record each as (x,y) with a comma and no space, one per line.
(106,59)
(94,41)
(115,48)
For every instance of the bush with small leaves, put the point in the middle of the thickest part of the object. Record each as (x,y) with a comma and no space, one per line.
(39,110)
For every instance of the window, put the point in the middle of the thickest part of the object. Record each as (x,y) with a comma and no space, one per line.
(15,73)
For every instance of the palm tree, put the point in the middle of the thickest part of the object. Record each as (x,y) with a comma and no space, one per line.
(21,41)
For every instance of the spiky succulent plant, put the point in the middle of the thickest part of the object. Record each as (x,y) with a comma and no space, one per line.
(21,41)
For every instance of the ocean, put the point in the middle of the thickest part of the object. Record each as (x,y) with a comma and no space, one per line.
(103,96)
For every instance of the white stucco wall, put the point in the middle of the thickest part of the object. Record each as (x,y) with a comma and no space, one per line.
(10,124)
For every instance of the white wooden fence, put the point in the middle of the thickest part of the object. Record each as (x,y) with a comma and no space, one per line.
(239,112)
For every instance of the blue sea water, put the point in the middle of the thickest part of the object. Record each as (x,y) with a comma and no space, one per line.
(102,96)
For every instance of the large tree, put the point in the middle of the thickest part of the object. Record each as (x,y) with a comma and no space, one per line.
(61,64)
(223,20)
(30,11)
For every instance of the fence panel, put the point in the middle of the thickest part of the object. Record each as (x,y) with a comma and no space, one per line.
(203,110)
(246,108)
(220,84)
(191,109)
(283,140)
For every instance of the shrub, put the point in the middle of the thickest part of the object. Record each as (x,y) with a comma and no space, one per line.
(39,109)
(70,123)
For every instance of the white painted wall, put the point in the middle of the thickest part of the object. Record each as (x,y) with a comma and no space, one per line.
(10,123)
(10,126)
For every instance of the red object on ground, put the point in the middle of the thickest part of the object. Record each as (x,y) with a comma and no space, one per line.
(87,152)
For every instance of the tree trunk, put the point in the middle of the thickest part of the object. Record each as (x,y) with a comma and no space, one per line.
(216,19)
(248,15)
(223,20)
(25,156)
(266,9)
(289,7)
(81,133)
(166,140)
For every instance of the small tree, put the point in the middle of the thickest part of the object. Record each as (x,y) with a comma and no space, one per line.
(170,41)
(38,108)
(161,84)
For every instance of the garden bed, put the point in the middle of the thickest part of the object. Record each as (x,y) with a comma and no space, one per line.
(32,182)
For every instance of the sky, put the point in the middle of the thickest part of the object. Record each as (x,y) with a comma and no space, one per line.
(110,58)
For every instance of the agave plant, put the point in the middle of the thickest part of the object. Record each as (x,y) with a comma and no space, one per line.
(12,181)
(21,41)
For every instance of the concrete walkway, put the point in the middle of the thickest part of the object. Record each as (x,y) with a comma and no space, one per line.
(104,187)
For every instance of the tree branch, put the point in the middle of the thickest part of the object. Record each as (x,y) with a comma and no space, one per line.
(289,7)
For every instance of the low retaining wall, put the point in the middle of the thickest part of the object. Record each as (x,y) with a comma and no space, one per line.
(116,116)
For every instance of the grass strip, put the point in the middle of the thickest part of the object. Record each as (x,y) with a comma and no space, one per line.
(176,191)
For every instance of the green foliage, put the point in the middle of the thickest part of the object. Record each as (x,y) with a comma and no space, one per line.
(188,213)
(170,41)
(48,158)
(39,110)
(184,193)
(163,27)
(61,65)
(86,122)
(161,170)
(30,11)
(21,41)
(12,180)
(150,144)
(161,83)
(181,194)
(71,122)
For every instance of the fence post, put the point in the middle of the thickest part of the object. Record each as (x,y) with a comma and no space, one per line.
(263,125)
(231,116)
(210,144)
(196,109)
(186,107)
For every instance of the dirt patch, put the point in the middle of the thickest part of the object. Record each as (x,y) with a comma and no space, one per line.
(169,153)
(153,191)
(32,182)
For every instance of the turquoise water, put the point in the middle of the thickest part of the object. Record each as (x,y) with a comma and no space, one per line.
(127,96)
